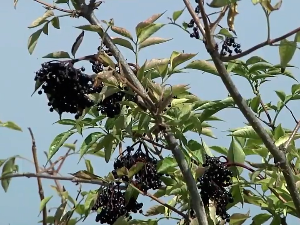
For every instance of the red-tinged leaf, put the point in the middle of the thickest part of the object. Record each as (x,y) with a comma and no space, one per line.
(122,31)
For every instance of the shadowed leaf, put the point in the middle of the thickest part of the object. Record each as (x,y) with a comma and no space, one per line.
(57,55)
(203,65)
(77,43)
(33,39)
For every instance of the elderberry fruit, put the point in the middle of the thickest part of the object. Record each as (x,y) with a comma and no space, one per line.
(67,88)
(111,106)
(113,205)
(229,46)
(191,24)
(146,178)
(213,183)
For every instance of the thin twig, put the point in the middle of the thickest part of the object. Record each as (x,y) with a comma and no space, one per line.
(261,45)
(270,124)
(291,113)
(54,7)
(287,143)
(37,170)
(52,177)
(155,143)
(214,25)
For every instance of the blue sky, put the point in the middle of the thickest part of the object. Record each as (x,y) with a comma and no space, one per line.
(18,70)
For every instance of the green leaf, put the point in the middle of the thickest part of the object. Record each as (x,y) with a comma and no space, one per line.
(122,31)
(153,41)
(177,14)
(89,166)
(77,43)
(33,39)
(286,52)
(238,218)
(108,146)
(297,37)
(255,59)
(89,141)
(154,63)
(165,164)
(148,31)
(260,219)
(59,212)
(46,28)
(131,193)
(7,169)
(204,66)
(10,125)
(58,55)
(295,89)
(246,132)
(281,95)
(225,32)
(155,210)
(215,107)
(42,19)
(122,42)
(93,28)
(236,155)
(259,67)
(220,3)
(121,221)
(135,169)
(58,141)
(55,22)
(179,58)
(44,202)
(255,102)
(76,4)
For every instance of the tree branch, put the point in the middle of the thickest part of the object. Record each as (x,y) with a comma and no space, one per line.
(263,44)
(279,156)
(196,200)
(52,177)
(54,7)
(37,170)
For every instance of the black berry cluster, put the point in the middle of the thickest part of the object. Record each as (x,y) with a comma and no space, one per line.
(213,183)
(147,178)
(97,67)
(67,88)
(113,205)
(111,106)
(229,46)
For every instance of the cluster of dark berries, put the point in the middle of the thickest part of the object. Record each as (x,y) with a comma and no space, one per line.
(113,205)
(67,88)
(97,67)
(111,106)
(195,33)
(213,183)
(229,46)
(147,178)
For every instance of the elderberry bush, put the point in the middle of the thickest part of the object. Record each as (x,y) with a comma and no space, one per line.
(229,46)
(66,87)
(113,205)
(147,178)
(213,183)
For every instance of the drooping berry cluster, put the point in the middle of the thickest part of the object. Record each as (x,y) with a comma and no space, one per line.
(97,67)
(113,204)
(147,178)
(67,88)
(229,46)
(213,183)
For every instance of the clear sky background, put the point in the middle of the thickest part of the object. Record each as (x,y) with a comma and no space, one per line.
(21,204)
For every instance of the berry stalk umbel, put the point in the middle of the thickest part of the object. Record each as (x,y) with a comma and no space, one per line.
(146,178)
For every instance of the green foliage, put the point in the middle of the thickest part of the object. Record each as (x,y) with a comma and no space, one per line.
(258,183)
